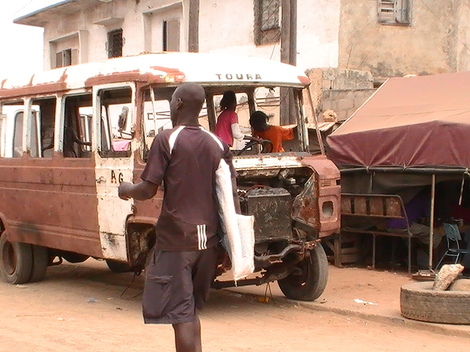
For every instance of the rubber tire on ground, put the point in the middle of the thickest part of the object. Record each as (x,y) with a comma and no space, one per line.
(16,261)
(311,284)
(118,267)
(418,301)
(40,263)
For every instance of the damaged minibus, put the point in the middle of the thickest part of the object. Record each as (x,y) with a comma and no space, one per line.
(69,136)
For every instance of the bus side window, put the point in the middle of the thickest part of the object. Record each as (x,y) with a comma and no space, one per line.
(156,115)
(116,126)
(18,135)
(158,122)
(77,126)
(42,127)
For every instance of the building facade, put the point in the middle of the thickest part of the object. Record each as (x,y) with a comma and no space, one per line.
(349,47)
(401,37)
(78,31)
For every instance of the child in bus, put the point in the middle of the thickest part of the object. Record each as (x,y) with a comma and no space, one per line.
(275,134)
(227,127)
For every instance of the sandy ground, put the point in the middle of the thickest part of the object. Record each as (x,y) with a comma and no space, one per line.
(85,307)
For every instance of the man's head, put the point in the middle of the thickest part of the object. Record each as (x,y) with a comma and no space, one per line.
(186,104)
(259,121)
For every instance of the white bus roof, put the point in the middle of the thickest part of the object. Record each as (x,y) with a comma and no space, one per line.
(165,68)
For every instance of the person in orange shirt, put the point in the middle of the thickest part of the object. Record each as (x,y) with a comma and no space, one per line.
(275,134)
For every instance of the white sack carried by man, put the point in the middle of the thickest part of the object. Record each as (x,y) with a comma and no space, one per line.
(238,233)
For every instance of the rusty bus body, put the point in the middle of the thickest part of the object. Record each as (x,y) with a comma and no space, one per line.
(69,136)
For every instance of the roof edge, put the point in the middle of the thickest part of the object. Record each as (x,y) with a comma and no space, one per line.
(20,20)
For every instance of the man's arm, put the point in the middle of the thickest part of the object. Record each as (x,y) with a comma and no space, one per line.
(141,191)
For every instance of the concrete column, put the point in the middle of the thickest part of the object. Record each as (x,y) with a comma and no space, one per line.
(193,32)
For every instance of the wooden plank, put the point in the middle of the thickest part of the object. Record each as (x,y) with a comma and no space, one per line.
(360,205)
(346,207)
(376,206)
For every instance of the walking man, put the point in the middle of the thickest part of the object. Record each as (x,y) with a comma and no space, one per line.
(182,264)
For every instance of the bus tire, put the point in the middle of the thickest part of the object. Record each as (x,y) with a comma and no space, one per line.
(308,283)
(40,263)
(118,267)
(16,261)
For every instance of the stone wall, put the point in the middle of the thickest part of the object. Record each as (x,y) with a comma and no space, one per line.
(342,91)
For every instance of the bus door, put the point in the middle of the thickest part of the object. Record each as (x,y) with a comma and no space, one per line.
(114,121)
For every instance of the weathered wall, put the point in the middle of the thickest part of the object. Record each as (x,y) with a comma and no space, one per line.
(97,19)
(463,37)
(433,43)
(318,23)
(227,26)
(342,91)
(224,26)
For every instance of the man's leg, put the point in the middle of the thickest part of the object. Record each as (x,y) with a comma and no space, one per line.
(188,336)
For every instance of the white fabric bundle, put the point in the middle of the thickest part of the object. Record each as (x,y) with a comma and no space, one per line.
(238,237)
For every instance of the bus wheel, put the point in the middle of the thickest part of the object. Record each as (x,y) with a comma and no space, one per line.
(40,263)
(118,267)
(308,281)
(16,261)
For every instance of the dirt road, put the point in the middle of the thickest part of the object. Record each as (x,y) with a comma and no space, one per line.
(85,307)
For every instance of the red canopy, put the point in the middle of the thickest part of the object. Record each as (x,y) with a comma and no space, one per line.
(409,122)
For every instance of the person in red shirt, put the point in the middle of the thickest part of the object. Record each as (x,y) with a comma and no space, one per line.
(275,134)
(227,127)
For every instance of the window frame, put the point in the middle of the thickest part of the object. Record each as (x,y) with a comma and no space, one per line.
(267,34)
(166,43)
(394,12)
(84,135)
(98,123)
(18,134)
(35,125)
(112,49)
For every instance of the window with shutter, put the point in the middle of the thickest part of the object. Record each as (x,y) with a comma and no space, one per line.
(66,57)
(115,43)
(394,12)
(171,35)
(267,21)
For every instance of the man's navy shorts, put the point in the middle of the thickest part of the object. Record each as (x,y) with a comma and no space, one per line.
(176,283)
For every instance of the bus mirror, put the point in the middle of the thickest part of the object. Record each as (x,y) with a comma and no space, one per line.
(122,122)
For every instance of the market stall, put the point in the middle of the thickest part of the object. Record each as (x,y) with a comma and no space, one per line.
(411,133)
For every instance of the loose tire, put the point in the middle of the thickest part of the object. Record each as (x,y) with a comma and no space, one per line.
(418,301)
(118,267)
(308,283)
(16,261)
(40,263)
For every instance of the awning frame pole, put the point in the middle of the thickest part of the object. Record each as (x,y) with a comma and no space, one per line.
(431,220)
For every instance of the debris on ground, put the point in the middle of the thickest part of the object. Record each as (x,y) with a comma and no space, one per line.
(364,302)
(447,275)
